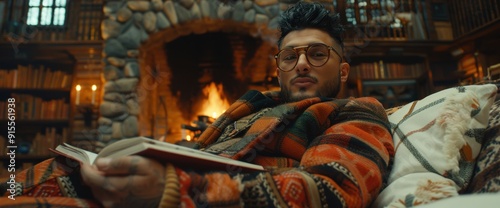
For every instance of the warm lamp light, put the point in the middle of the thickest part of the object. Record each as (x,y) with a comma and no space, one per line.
(78,88)
(94,87)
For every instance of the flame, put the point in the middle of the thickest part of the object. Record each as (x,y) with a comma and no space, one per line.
(215,104)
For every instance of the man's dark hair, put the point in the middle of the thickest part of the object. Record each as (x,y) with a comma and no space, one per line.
(304,15)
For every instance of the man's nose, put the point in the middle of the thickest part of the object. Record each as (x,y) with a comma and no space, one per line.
(302,63)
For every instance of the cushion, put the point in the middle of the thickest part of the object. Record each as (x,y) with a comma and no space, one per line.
(468,200)
(486,175)
(437,140)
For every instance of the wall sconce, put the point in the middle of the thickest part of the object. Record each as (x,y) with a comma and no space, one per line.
(94,87)
(86,109)
(78,88)
(82,91)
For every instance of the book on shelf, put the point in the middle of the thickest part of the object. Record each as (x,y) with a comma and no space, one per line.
(443,30)
(34,77)
(32,107)
(384,70)
(162,151)
(3,143)
(43,142)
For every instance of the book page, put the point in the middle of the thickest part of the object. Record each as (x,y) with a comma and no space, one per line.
(76,153)
(125,143)
(120,145)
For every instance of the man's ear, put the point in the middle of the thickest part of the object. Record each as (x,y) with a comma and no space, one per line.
(344,71)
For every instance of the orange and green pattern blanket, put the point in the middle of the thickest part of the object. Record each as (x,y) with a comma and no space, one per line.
(317,152)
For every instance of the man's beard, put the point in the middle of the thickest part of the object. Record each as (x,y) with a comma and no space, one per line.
(329,89)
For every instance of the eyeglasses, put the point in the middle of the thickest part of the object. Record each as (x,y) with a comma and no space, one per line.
(316,54)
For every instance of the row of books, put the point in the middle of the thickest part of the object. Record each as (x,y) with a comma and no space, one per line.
(38,143)
(89,20)
(466,16)
(29,107)
(381,70)
(34,78)
(42,142)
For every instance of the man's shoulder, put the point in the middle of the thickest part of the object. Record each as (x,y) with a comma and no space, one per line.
(365,99)
(369,102)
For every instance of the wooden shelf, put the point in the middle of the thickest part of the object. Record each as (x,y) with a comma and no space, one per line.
(35,90)
(377,47)
(49,53)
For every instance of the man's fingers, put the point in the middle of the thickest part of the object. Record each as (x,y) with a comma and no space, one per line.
(97,180)
(91,176)
(105,184)
(106,198)
(129,165)
(114,181)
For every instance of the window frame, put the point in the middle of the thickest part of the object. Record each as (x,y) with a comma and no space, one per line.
(52,8)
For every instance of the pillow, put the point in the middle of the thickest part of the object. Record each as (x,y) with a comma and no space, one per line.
(486,174)
(437,140)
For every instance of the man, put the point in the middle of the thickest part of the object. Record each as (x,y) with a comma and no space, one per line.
(318,151)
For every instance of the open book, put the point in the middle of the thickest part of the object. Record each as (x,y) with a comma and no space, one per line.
(162,151)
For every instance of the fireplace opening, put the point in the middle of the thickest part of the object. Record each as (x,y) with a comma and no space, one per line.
(193,78)
(211,70)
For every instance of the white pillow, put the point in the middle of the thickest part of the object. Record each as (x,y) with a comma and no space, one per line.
(437,140)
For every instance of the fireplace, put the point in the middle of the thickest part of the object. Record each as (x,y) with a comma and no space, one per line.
(195,77)
(199,61)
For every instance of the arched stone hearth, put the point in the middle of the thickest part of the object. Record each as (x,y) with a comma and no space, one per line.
(133,24)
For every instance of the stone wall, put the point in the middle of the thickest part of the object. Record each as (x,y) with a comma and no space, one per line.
(131,24)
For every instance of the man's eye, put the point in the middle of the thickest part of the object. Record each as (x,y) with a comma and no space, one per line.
(318,54)
(290,57)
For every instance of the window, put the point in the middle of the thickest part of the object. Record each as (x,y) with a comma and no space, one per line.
(46,12)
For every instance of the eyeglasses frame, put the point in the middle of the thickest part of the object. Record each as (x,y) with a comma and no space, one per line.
(305,49)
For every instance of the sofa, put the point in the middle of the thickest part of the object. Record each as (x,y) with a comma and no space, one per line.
(447,147)
(447,154)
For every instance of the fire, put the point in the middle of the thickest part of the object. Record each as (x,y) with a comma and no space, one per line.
(216,103)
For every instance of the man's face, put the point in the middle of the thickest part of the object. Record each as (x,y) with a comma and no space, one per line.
(305,80)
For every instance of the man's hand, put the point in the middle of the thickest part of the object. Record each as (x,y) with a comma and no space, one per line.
(131,181)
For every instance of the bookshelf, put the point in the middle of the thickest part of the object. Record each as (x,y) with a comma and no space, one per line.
(38,83)
(394,72)
(391,47)
(468,17)
(392,80)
